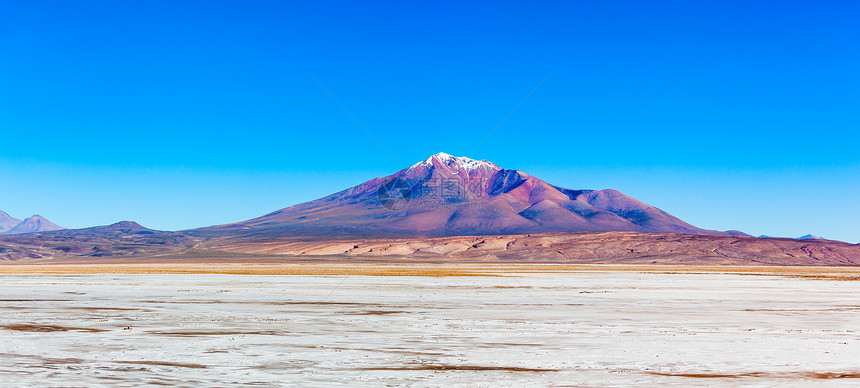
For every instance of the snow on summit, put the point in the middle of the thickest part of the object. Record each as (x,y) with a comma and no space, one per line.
(463,162)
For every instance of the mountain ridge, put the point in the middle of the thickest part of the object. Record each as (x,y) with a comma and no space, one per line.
(445,195)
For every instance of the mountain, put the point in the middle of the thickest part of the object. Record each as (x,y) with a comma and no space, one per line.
(7,222)
(804,237)
(33,224)
(810,237)
(449,196)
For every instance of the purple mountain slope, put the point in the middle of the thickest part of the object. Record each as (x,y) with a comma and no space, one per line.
(7,222)
(33,224)
(449,196)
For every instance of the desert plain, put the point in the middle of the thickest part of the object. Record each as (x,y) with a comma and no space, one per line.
(276,324)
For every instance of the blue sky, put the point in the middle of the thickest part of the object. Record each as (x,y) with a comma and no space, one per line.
(727,114)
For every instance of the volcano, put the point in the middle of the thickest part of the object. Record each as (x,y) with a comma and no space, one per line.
(454,196)
(33,224)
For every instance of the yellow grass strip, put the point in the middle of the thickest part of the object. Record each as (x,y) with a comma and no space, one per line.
(847,273)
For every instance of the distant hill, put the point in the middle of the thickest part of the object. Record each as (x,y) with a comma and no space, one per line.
(811,237)
(804,237)
(33,224)
(124,238)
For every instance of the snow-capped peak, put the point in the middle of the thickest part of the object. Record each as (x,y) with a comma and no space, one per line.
(457,162)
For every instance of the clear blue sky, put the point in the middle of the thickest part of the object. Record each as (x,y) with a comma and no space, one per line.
(728,114)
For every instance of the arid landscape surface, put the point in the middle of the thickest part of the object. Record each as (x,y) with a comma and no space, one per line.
(513,281)
(255,193)
(596,248)
(127,242)
(515,327)
(346,289)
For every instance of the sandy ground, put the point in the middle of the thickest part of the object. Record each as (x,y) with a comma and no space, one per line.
(529,328)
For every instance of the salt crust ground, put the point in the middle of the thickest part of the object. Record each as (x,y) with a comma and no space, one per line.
(529,327)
